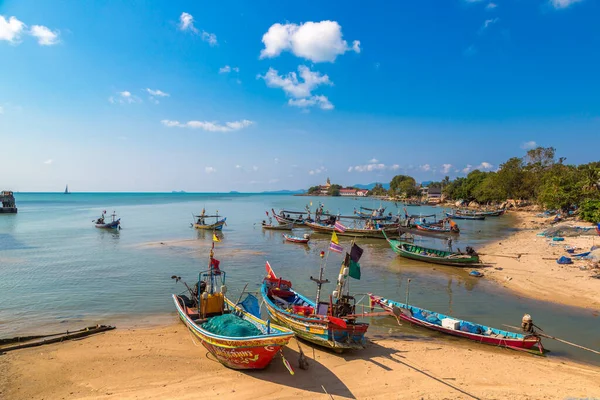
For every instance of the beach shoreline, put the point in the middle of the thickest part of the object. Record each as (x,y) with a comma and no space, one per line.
(525,264)
(165,362)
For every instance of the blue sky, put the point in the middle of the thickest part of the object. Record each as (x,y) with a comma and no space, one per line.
(252,96)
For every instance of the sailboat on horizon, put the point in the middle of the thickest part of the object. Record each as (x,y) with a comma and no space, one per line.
(67,190)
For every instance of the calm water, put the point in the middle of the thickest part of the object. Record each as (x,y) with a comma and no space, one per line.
(57,271)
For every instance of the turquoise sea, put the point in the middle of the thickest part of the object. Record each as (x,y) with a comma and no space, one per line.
(58,272)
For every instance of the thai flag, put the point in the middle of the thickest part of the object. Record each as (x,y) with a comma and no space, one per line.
(339,227)
(335,247)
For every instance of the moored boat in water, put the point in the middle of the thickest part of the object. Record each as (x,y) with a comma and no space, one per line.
(201,222)
(103,224)
(296,239)
(374,230)
(435,256)
(457,327)
(466,216)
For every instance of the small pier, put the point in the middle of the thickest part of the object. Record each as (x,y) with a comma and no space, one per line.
(8,202)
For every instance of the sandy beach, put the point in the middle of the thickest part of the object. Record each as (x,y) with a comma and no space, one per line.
(528,264)
(165,363)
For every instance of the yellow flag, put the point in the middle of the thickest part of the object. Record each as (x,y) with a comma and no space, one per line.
(215,238)
(311,203)
(334,238)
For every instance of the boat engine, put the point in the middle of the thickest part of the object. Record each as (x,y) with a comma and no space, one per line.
(471,251)
(344,306)
(306,236)
(527,323)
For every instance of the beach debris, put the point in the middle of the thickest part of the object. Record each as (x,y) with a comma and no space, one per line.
(564,260)
(476,274)
(34,341)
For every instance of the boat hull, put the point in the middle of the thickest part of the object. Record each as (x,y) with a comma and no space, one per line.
(254,352)
(217,226)
(404,249)
(433,229)
(319,331)
(286,227)
(295,239)
(110,225)
(362,233)
(466,217)
(502,338)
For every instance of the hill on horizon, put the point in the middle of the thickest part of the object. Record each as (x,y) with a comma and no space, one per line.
(370,186)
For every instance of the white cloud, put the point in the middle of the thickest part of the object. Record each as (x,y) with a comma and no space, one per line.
(238,166)
(48,162)
(317,171)
(276,160)
(529,145)
(290,83)
(467,169)
(186,23)
(315,41)
(236,69)
(373,166)
(11,29)
(254,168)
(489,22)
(210,126)
(124,97)
(373,160)
(491,6)
(321,101)
(425,167)
(558,4)
(446,168)
(224,70)
(157,93)
(210,170)
(484,165)
(44,35)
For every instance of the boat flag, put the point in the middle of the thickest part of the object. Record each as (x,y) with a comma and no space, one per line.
(353,266)
(266,212)
(214,265)
(215,238)
(339,227)
(270,273)
(334,238)
(335,247)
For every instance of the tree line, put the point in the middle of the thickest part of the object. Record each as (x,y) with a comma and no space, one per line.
(538,177)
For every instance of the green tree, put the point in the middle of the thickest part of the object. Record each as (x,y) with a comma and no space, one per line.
(377,190)
(403,185)
(561,187)
(334,190)
(313,189)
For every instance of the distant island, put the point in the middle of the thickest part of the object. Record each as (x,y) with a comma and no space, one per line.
(178,191)
(329,189)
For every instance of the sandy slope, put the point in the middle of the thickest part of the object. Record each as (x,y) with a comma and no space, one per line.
(164,363)
(535,273)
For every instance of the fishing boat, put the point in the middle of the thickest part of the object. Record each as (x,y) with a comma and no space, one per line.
(286,217)
(103,224)
(372,213)
(435,256)
(495,213)
(296,239)
(457,327)
(451,227)
(287,227)
(375,232)
(202,223)
(233,335)
(466,216)
(330,324)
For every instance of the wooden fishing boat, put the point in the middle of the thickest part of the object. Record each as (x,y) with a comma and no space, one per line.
(437,229)
(412,229)
(287,227)
(495,213)
(296,239)
(331,325)
(457,327)
(435,256)
(354,232)
(287,217)
(375,214)
(200,222)
(466,216)
(102,224)
(235,337)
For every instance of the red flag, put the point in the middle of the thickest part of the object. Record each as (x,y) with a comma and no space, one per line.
(270,272)
(214,265)
(266,212)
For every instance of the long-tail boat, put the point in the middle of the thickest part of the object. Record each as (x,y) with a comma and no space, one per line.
(296,239)
(457,327)
(234,336)
(330,324)
(102,224)
(495,213)
(375,233)
(372,213)
(286,217)
(451,227)
(200,221)
(286,227)
(466,216)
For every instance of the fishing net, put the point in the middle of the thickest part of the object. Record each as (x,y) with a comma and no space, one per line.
(568,231)
(230,325)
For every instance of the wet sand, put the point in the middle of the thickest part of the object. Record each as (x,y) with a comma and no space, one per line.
(528,264)
(165,363)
